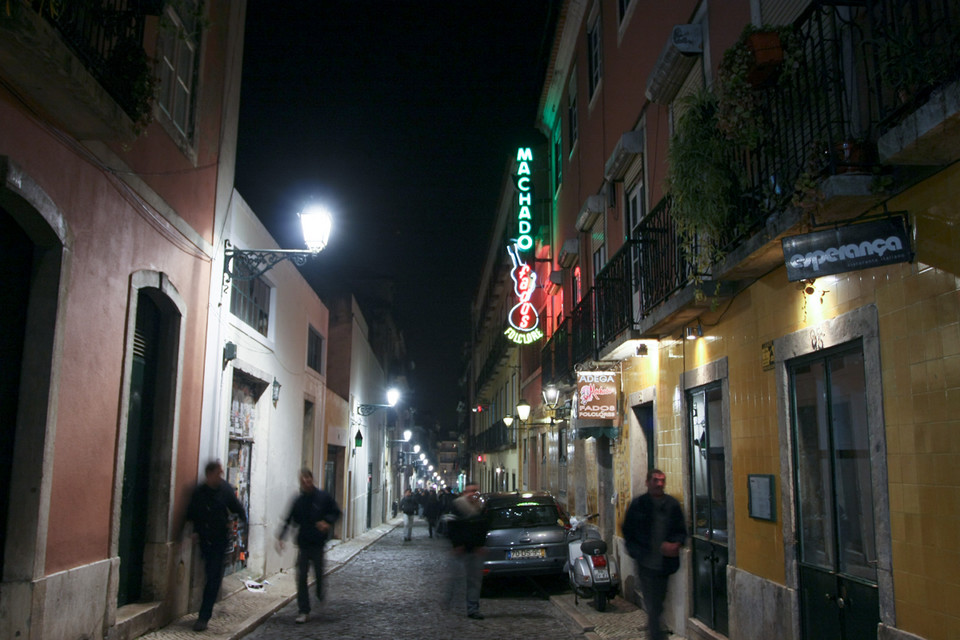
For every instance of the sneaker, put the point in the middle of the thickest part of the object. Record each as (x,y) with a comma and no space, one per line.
(476,615)
(300,619)
(200,625)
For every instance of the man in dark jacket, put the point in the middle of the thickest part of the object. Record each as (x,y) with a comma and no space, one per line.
(209,510)
(654,531)
(408,505)
(314,512)
(468,534)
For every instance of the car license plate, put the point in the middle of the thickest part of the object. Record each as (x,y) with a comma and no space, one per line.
(601,575)
(527,553)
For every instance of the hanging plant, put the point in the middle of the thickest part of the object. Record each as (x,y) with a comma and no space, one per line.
(704,184)
(761,57)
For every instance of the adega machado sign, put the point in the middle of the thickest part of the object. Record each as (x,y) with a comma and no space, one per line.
(859,246)
(598,394)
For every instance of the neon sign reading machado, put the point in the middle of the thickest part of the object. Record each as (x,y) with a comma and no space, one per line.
(524,199)
(523,317)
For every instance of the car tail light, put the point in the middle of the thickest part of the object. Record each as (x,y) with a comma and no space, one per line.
(599,561)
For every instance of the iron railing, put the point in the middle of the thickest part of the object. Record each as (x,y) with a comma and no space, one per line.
(555,357)
(614,292)
(583,344)
(107,36)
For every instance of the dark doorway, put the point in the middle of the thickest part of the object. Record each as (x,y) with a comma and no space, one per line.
(710,527)
(835,503)
(136,467)
(16,261)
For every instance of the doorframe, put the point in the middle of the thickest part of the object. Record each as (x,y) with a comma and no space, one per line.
(31,477)
(160,533)
(717,371)
(863,324)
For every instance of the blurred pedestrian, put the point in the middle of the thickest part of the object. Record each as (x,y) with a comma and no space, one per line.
(446,507)
(654,530)
(408,505)
(468,534)
(314,511)
(209,510)
(431,510)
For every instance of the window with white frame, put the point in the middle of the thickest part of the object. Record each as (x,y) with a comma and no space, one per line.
(594,54)
(178,59)
(250,301)
(315,350)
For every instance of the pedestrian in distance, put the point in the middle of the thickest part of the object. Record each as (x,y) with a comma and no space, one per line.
(314,512)
(209,510)
(445,499)
(468,534)
(409,506)
(654,531)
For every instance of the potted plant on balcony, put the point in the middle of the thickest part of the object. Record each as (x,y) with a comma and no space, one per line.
(761,57)
(704,185)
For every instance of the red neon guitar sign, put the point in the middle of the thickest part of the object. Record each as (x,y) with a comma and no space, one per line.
(523,317)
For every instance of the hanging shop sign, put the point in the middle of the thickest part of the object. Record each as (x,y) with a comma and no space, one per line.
(858,246)
(598,394)
(524,199)
(523,317)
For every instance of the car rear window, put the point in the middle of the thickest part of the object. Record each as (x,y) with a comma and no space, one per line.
(537,515)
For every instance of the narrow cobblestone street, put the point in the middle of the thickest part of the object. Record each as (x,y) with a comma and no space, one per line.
(397,589)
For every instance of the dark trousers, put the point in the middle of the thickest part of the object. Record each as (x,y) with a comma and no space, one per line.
(307,555)
(213,570)
(653,586)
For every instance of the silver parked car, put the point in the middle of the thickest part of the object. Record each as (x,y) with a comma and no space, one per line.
(526,534)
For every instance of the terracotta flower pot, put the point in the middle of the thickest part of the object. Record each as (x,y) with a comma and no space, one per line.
(767,53)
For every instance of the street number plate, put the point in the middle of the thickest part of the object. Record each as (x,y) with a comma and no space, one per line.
(527,553)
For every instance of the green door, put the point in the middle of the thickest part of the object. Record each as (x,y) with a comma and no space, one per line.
(135,493)
(710,529)
(834,493)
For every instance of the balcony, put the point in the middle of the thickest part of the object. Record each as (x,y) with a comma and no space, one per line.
(496,437)
(555,358)
(83,66)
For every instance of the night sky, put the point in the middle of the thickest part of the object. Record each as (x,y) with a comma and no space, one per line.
(401,115)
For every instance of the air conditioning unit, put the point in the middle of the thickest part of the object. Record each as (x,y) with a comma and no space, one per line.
(591,209)
(675,63)
(569,253)
(628,146)
(552,286)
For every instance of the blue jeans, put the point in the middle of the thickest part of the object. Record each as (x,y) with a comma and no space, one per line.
(213,570)
(473,568)
(408,525)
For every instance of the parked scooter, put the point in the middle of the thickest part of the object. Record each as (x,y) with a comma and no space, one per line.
(591,572)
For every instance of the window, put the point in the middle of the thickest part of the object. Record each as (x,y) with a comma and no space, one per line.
(315,350)
(594,55)
(577,285)
(557,158)
(250,301)
(573,121)
(636,210)
(599,259)
(622,6)
(179,44)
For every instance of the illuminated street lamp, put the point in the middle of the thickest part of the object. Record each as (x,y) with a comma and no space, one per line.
(523,410)
(393,396)
(249,264)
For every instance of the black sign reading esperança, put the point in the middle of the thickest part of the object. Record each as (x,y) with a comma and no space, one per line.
(859,246)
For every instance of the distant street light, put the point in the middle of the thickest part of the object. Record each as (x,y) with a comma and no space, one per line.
(393,396)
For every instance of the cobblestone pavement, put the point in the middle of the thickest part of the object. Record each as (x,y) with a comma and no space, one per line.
(397,589)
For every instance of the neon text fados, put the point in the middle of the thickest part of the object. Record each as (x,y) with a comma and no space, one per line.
(524,199)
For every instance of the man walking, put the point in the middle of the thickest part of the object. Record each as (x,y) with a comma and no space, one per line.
(209,510)
(314,512)
(409,506)
(654,531)
(468,534)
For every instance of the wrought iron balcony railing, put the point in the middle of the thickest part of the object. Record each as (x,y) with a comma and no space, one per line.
(583,344)
(555,357)
(107,36)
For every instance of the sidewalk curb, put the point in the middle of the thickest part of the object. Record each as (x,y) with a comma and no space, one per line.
(578,618)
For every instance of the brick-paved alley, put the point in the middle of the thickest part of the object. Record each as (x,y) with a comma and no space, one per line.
(397,589)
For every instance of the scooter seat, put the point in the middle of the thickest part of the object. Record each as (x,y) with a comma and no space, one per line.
(593,547)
